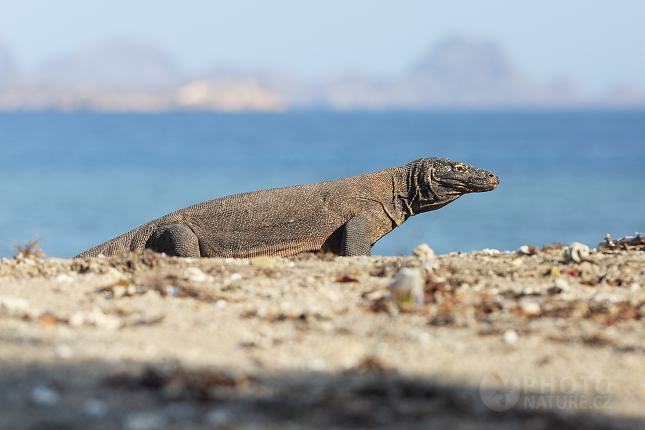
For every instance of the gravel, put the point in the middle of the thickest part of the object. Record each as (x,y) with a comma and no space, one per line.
(143,340)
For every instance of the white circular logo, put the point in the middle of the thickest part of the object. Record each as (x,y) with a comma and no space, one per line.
(499,391)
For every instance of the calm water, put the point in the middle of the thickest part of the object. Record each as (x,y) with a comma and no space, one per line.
(80,179)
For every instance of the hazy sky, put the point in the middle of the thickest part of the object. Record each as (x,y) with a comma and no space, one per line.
(597,43)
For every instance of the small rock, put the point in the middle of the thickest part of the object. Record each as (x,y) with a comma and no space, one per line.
(316,364)
(95,407)
(102,320)
(44,396)
(517,262)
(14,306)
(524,249)
(530,307)
(251,339)
(487,251)
(77,319)
(218,418)
(221,303)
(423,251)
(114,275)
(511,337)
(64,351)
(562,284)
(144,421)
(119,291)
(95,317)
(193,274)
(635,287)
(262,261)
(63,279)
(577,252)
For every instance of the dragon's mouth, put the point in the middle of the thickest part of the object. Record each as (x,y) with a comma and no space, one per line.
(471,185)
(487,183)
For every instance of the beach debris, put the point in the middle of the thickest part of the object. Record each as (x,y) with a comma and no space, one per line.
(408,285)
(31,250)
(345,278)
(429,262)
(626,243)
(528,250)
(577,253)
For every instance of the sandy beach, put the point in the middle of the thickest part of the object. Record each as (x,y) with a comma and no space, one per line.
(535,338)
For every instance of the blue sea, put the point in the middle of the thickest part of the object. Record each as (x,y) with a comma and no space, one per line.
(79,179)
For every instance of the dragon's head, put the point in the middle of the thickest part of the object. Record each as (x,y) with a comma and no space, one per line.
(438,181)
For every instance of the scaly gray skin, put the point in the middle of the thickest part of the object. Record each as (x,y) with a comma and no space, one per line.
(345,216)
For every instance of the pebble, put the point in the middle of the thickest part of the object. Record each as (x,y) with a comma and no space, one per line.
(95,407)
(562,284)
(262,261)
(218,418)
(517,262)
(119,291)
(15,306)
(144,421)
(524,249)
(251,339)
(114,275)
(511,337)
(530,307)
(221,303)
(95,317)
(63,279)
(44,396)
(577,252)
(193,274)
(64,351)
(423,251)
(315,364)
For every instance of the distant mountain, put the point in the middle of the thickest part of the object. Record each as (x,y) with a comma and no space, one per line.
(461,71)
(127,75)
(458,73)
(119,65)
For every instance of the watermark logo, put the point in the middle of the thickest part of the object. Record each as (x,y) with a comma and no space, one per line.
(501,392)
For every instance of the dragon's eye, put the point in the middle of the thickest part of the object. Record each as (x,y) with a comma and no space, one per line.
(459,167)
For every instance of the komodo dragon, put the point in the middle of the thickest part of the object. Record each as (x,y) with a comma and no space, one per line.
(345,216)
